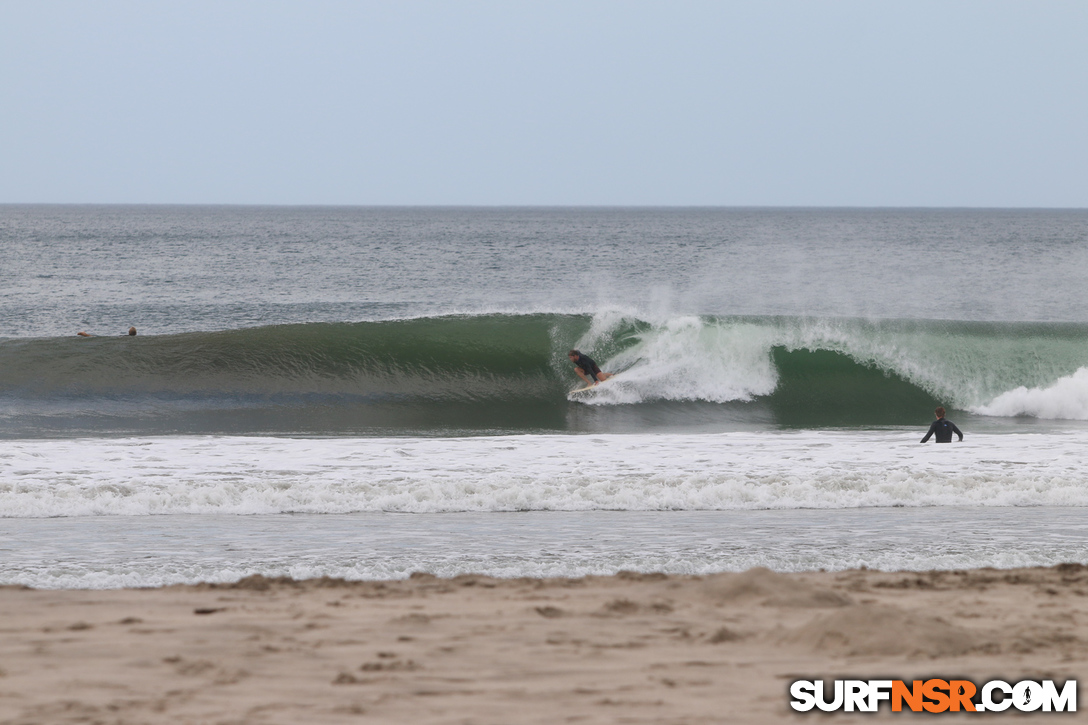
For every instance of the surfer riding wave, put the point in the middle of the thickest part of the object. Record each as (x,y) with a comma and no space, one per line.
(587,369)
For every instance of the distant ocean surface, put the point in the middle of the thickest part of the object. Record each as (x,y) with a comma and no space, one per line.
(367,392)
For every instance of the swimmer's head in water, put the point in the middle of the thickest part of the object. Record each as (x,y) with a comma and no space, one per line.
(132,331)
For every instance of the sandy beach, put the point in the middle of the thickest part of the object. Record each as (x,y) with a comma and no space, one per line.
(632,648)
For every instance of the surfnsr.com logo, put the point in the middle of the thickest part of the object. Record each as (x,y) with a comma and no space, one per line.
(934,695)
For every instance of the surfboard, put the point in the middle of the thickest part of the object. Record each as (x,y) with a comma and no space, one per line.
(577,392)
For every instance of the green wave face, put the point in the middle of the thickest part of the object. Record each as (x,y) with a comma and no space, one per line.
(824,388)
(456,358)
(510,372)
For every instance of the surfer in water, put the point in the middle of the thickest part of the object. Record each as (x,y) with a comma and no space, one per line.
(131,333)
(942,428)
(587,369)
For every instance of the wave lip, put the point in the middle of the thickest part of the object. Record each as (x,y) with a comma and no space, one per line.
(819,372)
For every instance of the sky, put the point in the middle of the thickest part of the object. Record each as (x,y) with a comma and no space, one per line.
(717,103)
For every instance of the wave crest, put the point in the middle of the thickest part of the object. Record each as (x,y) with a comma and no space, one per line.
(510,372)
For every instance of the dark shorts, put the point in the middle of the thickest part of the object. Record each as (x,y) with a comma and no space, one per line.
(593,372)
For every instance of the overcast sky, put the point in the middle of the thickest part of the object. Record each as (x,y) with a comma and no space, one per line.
(675,103)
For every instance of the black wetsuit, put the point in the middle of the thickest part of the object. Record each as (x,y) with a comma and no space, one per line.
(589,367)
(943,429)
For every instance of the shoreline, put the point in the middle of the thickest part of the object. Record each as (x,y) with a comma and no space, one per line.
(601,649)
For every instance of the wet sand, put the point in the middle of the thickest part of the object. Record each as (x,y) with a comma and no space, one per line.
(633,648)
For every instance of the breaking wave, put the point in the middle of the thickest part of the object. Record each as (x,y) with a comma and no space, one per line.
(510,373)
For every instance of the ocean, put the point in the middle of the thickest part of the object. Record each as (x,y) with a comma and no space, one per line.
(368,392)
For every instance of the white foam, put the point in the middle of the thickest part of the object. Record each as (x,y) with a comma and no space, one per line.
(688,358)
(783,470)
(1066,399)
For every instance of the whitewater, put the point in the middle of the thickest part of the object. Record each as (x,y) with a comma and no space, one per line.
(729,471)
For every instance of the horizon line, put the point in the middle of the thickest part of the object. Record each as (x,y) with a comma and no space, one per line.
(539,206)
